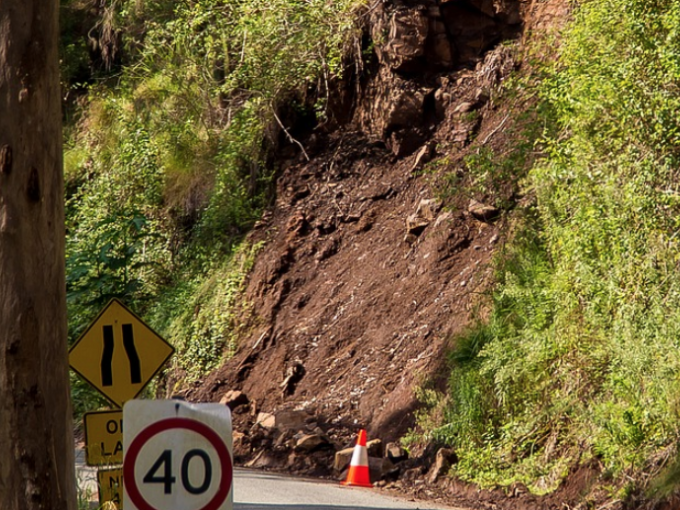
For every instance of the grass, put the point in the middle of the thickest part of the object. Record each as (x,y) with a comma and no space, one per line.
(578,358)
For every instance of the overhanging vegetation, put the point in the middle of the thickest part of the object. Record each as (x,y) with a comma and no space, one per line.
(166,160)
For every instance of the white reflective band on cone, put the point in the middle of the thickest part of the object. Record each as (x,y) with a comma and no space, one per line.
(359,456)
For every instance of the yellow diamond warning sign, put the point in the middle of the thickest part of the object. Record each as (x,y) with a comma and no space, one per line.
(118,354)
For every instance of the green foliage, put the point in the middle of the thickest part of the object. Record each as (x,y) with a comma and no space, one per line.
(109,269)
(115,246)
(211,76)
(254,48)
(493,175)
(199,315)
(84,496)
(115,243)
(168,163)
(489,173)
(201,93)
(581,350)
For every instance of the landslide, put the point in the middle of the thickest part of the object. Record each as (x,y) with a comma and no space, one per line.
(367,270)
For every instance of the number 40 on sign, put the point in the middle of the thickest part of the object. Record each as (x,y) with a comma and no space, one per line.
(178,456)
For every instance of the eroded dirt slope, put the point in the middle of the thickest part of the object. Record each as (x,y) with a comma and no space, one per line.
(348,312)
(367,273)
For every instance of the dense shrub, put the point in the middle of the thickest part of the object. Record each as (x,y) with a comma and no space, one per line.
(167,158)
(580,356)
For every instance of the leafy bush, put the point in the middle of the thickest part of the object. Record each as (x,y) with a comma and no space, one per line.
(167,165)
(580,355)
(199,315)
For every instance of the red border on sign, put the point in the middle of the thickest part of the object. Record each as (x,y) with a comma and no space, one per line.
(176,423)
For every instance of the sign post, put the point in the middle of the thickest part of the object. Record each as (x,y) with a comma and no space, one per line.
(118,354)
(178,456)
(110,483)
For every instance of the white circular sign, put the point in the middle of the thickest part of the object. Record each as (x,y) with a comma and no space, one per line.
(181,461)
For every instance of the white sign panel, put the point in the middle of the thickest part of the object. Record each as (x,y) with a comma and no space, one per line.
(178,456)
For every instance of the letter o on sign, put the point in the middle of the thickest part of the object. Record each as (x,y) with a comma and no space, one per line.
(163,473)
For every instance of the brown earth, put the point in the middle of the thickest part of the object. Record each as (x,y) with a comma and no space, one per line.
(367,272)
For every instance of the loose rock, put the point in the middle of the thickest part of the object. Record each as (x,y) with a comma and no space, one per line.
(309,442)
(234,399)
(374,448)
(481,211)
(423,155)
(395,453)
(380,467)
(291,420)
(265,420)
(428,208)
(264,459)
(415,224)
(342,459)
(294,373)
(441,102)
(464,107)
(444,459)
(425,213)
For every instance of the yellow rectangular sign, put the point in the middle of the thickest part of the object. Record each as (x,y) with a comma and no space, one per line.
(110,488)
(104,438)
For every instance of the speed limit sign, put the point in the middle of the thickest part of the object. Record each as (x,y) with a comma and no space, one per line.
(178,456)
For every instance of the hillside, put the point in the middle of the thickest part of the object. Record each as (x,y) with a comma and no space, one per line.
(450,222)
(365,271)
(369,268)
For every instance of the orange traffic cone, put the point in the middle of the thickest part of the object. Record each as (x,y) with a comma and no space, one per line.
(358,467)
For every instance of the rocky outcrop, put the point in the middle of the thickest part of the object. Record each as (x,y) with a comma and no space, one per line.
(414,43)
(436,35)
(406,33)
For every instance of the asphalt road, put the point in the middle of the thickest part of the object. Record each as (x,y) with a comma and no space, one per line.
(255,490)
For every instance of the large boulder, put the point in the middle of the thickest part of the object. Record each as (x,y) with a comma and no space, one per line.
(310,442)
(379,468)
(374,448)
(407,31)
(342,459)
(395,452)
(292,420)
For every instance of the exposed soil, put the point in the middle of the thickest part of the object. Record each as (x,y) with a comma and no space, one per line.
(367,274)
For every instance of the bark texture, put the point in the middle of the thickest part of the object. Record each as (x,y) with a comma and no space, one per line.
(36,440)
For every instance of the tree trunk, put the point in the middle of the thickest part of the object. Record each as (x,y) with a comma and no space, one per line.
(36,438)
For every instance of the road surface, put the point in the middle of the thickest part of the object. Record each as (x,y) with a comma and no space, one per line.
(255,490)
